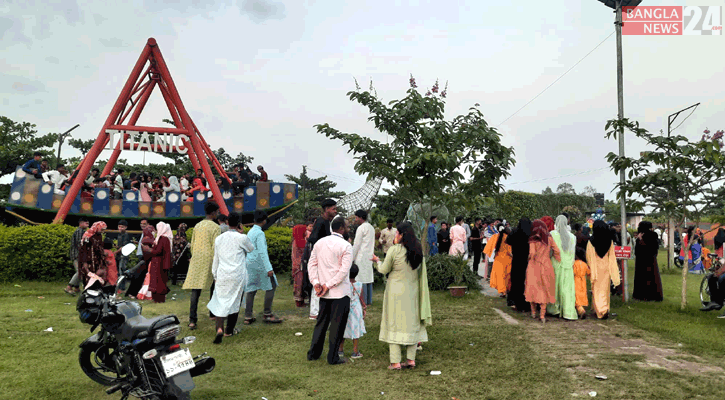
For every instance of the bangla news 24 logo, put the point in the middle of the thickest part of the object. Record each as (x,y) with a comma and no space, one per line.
(672,20)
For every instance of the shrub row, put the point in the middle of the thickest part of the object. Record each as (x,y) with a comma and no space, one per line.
(40,253)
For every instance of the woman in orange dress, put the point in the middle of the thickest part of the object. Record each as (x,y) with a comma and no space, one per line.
(540,278)
(603,264)
(501,270)
(581,271)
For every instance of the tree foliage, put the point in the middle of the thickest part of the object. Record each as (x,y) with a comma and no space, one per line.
(311,192)
(391,204)
(84,146)
(18,142)
(426,154)
(589,191)
(676,177)
(547,190)
(565,188)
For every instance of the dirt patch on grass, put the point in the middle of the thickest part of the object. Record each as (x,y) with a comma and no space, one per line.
(582,345)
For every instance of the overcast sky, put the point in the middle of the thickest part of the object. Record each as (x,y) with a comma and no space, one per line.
(256,75)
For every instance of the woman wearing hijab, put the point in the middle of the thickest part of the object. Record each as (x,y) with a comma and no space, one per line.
(519,244)
(549,222)
(647,282)
(160,262)
(406,302)
(603,265)
(138,288)
(719,241)
(540,279)
(91,255)
(180,253)
(299,241)
(565,305)
(501,270)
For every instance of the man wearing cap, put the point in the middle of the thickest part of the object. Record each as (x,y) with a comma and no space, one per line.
(260,275)
(362,252)
(320,230)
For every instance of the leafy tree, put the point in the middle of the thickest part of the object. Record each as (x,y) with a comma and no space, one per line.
(682,170)
(226,160)
(588,191)
(312,191)
(84,146)
(547,190)
(565,188)
(427,155)
(18,142)
(391,204)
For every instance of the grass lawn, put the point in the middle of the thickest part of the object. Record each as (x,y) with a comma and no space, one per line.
(481,356)
(699,332)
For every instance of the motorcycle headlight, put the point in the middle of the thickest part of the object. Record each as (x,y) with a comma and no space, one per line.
(167,333)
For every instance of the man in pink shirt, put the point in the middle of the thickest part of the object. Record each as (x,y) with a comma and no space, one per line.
(329,272)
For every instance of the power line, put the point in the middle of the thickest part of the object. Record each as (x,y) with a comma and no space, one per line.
(336,176)
(557,80)
(560,176)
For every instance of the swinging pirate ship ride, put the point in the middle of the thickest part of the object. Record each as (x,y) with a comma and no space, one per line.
(32,199)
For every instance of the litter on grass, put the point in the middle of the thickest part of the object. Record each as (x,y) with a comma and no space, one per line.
(298,334)
(49,329)
(41,297)
(28,310)
(435,372)
(593,394)
(601,377)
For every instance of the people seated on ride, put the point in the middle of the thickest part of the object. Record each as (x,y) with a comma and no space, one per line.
(223,184)
(118,184)
(197,184)
(32,166)
(144,188)
(263,174)
(157,189)
(100,182)
(127,182)
(57,178)
(243,180)
(91,180)
(716,284)
(44,166)
(170,185)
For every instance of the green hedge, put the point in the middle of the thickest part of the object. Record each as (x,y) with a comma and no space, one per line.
(279,241)
(38,253)
(513,205)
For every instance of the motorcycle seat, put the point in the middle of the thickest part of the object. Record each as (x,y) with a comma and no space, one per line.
(139,326)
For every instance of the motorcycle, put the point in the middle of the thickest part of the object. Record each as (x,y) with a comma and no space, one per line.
(676,257)
(138,356)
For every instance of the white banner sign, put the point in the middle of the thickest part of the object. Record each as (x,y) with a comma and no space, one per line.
(141,141)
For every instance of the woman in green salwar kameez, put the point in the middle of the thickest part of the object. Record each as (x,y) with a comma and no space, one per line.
(406,302)
(565,306)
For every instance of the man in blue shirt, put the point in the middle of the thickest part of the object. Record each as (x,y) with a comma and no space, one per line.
(32,167)
(432,236)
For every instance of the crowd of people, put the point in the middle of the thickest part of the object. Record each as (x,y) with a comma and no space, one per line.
(542,266)
(150,187)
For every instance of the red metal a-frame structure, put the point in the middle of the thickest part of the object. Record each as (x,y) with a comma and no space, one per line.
(141,85)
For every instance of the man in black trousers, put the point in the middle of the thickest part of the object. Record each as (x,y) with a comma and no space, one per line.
(329,271)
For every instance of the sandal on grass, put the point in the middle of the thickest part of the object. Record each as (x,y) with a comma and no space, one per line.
(408,364)
(218,337)
(192,326)
(235,332)
(249,321)
(395,366)
(272,319)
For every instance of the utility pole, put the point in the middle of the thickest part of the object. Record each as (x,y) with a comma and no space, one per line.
(61,139)
(670,229)
(620,116)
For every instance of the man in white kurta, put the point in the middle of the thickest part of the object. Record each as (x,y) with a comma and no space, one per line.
(230,273)
(362,254)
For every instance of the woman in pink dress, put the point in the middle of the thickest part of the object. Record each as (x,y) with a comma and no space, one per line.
(144,191)
(458,238)
(540,277)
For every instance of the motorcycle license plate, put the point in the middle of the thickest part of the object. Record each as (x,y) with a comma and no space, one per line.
(177,362)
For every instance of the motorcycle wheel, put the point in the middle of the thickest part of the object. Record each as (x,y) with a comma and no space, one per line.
(678,262)
(88,359)
(705,290)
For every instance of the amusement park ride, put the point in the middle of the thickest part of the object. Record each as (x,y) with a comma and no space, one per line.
(120,132)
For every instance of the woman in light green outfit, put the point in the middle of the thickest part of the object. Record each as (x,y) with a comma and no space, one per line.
(565,305)
(406,302)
